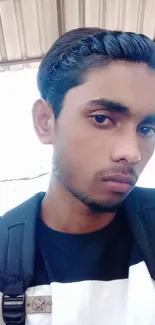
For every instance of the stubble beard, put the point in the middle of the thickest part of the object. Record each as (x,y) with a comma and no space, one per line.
(94,205)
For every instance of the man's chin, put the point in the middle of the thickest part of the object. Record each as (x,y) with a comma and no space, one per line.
(101,206)
(97,204)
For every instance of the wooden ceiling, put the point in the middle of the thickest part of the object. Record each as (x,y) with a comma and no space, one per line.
(29,27)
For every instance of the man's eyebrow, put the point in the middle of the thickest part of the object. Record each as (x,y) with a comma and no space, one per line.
(110,105)
(150,119)
(117,107)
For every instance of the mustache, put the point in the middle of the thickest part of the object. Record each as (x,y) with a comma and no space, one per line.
(119,170)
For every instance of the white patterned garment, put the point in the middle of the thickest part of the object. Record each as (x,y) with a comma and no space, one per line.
(119,302)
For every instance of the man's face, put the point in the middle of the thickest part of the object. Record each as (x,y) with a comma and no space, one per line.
(105,135)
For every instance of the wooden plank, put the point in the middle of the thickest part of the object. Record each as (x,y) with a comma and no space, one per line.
(132,15)
(10,30)
(51,21)
(92,9)
(30,20)
(71,12)
(149,18)
(111,14)
(3,54)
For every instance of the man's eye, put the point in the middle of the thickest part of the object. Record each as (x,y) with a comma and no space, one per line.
(102,119)
(147,131)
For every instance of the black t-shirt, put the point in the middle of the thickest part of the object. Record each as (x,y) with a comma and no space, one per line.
(101,255)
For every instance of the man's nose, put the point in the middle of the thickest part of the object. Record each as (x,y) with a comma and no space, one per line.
(126,150)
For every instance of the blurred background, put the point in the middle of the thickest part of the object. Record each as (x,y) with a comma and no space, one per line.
(27,30)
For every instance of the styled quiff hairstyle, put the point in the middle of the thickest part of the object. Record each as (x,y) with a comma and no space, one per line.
(77,51)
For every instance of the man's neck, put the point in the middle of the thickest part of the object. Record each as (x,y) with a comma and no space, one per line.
(61,211)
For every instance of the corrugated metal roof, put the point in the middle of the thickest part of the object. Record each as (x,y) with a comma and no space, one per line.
(29,27)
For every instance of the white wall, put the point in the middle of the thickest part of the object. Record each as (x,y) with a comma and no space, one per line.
(21,154)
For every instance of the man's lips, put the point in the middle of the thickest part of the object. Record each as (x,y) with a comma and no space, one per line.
(119,183)
(121,178)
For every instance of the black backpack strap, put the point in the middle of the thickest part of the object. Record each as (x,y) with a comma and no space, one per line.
(140,209)
(17,253)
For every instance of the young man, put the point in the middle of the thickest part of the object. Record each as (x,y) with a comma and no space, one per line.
(97,109)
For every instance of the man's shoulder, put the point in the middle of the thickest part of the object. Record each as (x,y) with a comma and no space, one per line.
(140,199)
(143,192)
(31,205)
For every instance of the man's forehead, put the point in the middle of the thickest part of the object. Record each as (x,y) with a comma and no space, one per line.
(118,73)
(119,67)
(130,84)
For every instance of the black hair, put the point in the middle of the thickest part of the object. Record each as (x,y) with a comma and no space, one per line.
(79,50)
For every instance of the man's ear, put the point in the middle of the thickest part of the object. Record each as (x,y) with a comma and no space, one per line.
(43,121)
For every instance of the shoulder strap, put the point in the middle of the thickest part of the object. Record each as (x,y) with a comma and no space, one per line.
(17,252)
(140,209)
